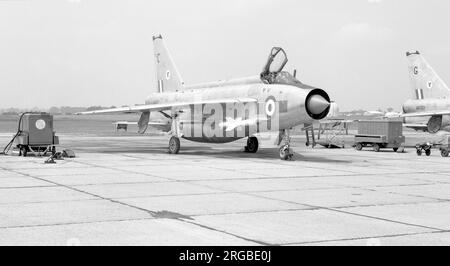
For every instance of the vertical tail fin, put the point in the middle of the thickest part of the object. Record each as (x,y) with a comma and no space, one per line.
(167,74)
(424,80)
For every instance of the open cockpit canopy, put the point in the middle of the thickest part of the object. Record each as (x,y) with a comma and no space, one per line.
(273,70)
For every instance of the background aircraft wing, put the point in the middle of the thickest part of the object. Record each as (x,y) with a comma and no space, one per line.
(429,113)
(150,123)
(164,106)
(323,122)
(416,126)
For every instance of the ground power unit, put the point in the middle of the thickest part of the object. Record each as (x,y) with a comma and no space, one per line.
(36,134)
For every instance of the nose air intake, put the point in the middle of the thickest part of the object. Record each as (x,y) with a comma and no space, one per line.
(318,104)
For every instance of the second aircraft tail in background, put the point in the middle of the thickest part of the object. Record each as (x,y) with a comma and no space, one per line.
(425,82)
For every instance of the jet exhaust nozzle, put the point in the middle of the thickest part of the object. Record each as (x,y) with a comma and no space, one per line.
(318,104)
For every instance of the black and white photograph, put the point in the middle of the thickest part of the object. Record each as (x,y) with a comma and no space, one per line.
(241,124)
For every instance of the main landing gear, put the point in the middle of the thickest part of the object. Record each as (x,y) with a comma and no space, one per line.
(252,145)
(285,149)
(174,142)
(174,145)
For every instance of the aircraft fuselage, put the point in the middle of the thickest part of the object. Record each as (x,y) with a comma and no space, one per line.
(427,105)
(277,107)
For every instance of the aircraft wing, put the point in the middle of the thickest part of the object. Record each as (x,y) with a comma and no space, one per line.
(165,106)
(416,126)
(136,123)
(161,125)
(430,113)
(323,122)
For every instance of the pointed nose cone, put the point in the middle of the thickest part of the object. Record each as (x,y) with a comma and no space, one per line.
(317,104)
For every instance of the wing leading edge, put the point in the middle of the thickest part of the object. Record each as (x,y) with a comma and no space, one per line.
(416,126)
(430,113)
(165,106)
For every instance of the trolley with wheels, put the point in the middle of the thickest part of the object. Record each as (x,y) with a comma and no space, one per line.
(424,148)
(445,147)
(445,152)
(25,148)
(380,134)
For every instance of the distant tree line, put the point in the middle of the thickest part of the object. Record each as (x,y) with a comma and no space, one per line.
(52,110)
(71,110)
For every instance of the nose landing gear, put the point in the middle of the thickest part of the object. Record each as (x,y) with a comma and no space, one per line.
(285,149)
(252,145)
(286,153)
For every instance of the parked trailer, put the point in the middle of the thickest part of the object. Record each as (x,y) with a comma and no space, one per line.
(445,147)
(380,134)
(424,147)
(445,151)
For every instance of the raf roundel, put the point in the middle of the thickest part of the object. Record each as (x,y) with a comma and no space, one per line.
(270,106)
(40,124)
(167,74)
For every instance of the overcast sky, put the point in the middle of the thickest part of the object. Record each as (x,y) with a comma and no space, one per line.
(99,52)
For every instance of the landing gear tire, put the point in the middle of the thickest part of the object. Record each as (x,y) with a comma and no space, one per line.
(428,152)
(285,148)
(376,147)
(444,153)
(252,145)
(358,147)
(395,149)
(285,153)
(23,151)
(174,145)
(419,152)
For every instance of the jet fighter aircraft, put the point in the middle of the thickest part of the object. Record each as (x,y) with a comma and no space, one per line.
(226,111)
(429,110)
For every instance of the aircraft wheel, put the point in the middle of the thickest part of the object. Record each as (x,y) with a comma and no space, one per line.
(24,151)
(174,145)
(444,153)
(395,149)
(284,153)
(428,152)
(419,152)
(252,145)
(376,147)
(359,146)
